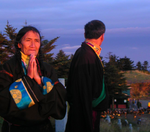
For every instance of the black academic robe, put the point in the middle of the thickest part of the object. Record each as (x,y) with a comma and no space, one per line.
(85,82)
(51,104)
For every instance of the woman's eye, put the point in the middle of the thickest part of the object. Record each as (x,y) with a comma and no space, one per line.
(37,40)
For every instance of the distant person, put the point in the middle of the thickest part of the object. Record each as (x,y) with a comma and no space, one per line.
(128,103)
(139,105)
(87,95)
(30,91)
(133,102)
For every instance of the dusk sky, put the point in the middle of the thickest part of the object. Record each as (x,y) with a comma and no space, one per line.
(127,23)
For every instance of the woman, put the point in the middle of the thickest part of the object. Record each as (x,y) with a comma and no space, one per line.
(29,89)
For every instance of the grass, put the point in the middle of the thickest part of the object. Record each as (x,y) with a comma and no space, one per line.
(114,127)
(135,76)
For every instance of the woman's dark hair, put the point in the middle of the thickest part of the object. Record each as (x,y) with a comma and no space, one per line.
(94,29)
(20,35)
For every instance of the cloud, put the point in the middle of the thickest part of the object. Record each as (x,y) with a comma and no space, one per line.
(130,31)
(63,31)
(117,32)
(75,14)
(71,47)
(69,53)
(134,48)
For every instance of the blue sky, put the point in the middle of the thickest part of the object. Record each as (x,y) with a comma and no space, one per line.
(127,23)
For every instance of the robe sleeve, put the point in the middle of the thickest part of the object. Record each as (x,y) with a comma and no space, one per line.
(54,102)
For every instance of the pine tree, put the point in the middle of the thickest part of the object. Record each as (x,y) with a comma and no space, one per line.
(145,65)
(139,65)
(4,54)
(125,64)
(47,46)
(62,63)
(11,35)
(114,79)
(7,43)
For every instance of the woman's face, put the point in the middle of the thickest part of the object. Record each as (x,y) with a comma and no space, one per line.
(30,43)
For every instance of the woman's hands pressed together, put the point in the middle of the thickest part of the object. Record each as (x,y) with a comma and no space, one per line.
(32,70)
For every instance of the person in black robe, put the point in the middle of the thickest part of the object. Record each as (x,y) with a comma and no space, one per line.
(30,92)
(86,92)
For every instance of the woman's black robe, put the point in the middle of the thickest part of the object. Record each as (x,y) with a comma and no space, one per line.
(51,104)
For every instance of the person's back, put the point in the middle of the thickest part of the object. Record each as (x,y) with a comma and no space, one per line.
(85,84)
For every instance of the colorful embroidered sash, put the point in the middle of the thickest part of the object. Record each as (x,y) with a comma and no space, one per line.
(96,50)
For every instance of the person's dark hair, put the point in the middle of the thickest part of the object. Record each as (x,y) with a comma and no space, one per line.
(20,35)
(94,29)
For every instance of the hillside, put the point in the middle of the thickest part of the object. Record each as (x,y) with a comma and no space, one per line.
(135,76)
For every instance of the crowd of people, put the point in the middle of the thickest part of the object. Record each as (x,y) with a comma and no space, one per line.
(134,104)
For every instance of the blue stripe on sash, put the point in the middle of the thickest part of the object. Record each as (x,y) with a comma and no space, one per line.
(20,95)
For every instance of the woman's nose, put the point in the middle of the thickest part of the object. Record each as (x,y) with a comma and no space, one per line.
(32,44)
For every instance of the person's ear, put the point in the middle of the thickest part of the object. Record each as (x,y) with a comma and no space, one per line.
(19,45)
(102,37)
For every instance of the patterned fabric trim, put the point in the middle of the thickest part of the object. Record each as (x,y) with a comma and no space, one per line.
(3,71)
(38,67)
(25,59)
(96,101)
(47,85)
(97,51)
(21,95)
(56,82)
(95,48)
